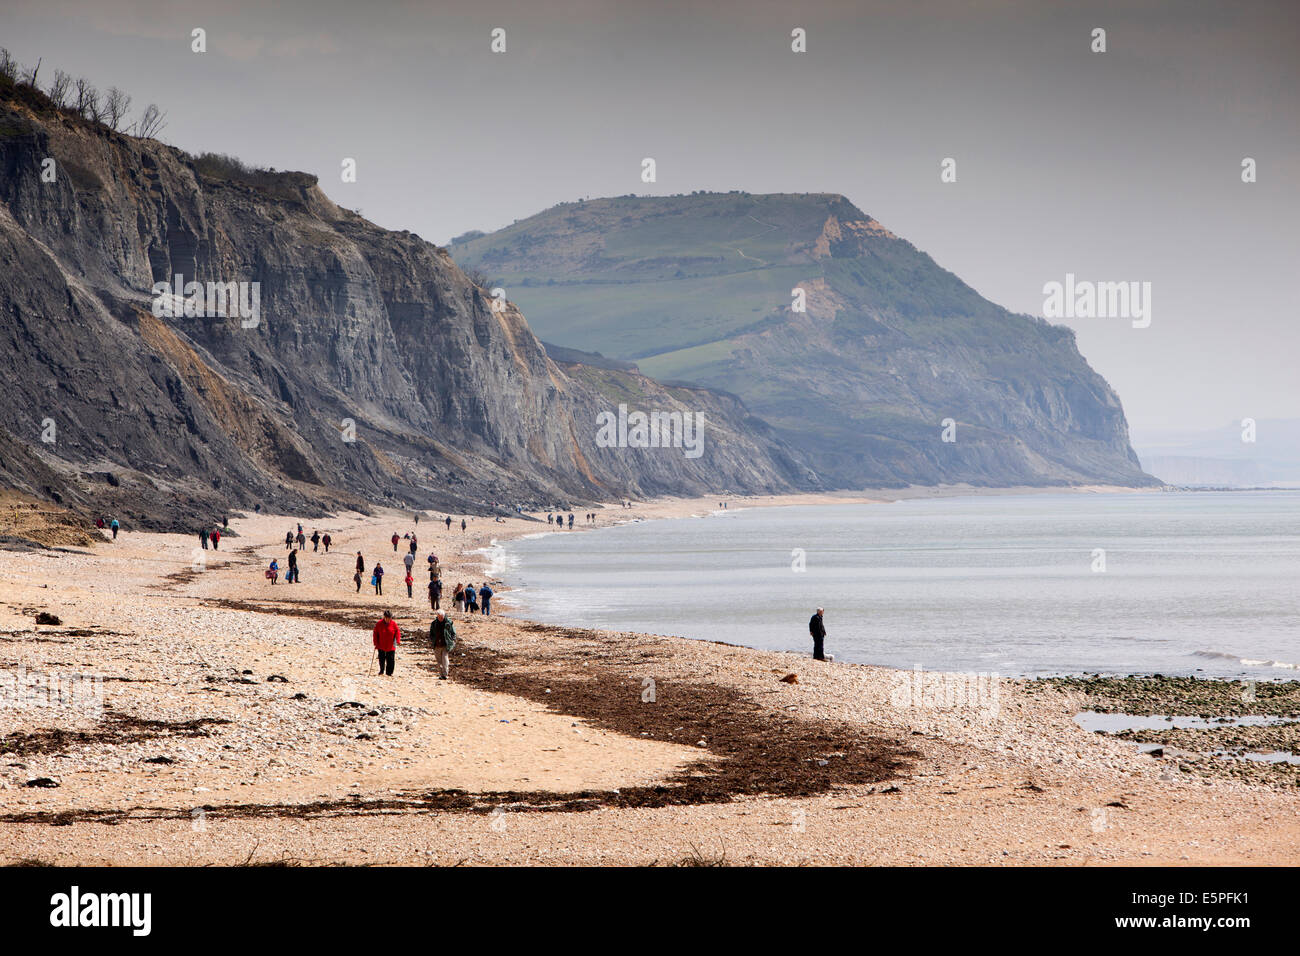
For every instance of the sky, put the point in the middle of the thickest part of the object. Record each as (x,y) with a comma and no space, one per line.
(1115,166)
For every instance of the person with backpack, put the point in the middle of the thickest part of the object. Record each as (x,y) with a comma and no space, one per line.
(386,636)
(325,540)
(302,540)
(113,526)
(435,592)
(377,578)
(485,596)
(395,540)
(315,540)
(471,599)
(442,635)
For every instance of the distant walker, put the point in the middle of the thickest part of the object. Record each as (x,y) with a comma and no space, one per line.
(817,628)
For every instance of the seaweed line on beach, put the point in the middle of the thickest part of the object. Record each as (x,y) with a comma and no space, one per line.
(748,750)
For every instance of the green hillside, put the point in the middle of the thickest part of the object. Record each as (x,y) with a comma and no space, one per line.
(698,288)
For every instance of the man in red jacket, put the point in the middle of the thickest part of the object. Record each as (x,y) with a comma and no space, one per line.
(387,636)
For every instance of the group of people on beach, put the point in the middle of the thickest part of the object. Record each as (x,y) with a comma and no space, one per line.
(465,597)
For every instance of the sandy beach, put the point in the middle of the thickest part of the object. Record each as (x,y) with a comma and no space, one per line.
(239,721)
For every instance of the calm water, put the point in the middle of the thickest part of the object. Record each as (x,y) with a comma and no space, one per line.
(1193,583)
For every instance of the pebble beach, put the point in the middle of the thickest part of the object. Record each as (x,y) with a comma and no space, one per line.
(230,721)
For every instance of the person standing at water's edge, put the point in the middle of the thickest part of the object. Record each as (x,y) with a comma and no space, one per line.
(442,634)
(387,635)
(817,628)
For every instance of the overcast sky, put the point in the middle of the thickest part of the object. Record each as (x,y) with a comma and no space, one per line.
(1123,165)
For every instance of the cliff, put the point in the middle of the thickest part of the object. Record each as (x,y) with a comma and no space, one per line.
(373,371)
(698,288)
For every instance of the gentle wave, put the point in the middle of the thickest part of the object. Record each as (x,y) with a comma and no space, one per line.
(1247,661)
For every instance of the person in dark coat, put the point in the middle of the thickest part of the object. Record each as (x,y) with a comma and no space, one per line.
(442,634)
(817,628)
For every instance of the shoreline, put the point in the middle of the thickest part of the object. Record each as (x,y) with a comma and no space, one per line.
(240,717)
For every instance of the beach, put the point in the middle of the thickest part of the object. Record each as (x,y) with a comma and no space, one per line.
(238,722)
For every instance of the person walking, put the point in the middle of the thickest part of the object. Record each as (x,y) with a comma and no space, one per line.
(435,592)
(442,634)
(292,575)
(408,559)
(414,545)
(417,517)
(302,539)
(203,538)
(458,597)
(325,540)
(462,525)
(471,599)
(410,583)
(448,522)
(377,578)
(485,597)
(817,628)
(395,540)
(288,538)
(315,540)
(113,526)
(215,537)
(387,635)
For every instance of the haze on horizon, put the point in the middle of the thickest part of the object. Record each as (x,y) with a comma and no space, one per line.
(1115,166)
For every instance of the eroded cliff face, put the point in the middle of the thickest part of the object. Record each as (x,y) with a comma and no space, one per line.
(375,370)
(863,383)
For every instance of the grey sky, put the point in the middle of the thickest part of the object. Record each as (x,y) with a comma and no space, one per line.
(1116,166)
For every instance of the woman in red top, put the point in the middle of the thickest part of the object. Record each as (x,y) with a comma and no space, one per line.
(387,636)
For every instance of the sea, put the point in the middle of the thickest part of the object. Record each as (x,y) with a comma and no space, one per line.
(1173,583)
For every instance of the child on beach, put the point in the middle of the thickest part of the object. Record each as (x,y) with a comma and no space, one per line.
(273,572)
(356,579)
(410,582)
